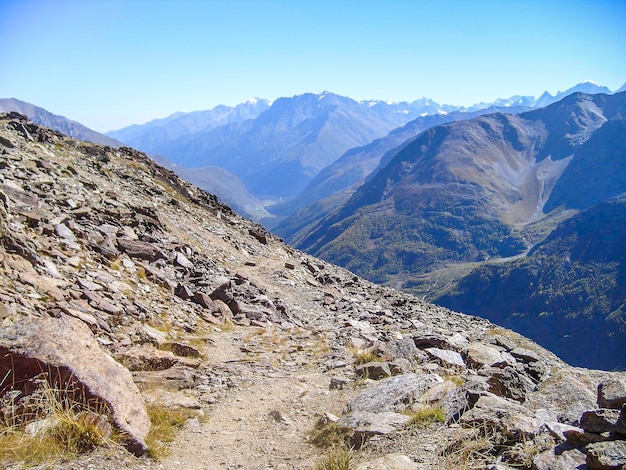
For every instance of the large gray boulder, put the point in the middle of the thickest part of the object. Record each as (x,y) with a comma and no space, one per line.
(65,349)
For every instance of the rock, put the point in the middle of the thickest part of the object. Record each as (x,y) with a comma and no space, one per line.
(151,335)
(373,370)
(558,430)
(432,340)
(205,301)
(65,233)
(479,355)
(607,455)
(525,356)
(393,394)
(460,399)
(140,249)
(146,358)
(437,392)
(446,358)
(566,460)
(394,461)
(612,393)
(261,237)
(338,383)
(365,424)
(182,349)
(280,417)
(568,392)
(579,438)
(506,382)
(184,292)
(65,348)
(181,260)
(513,420)
(599,421)
(620,426)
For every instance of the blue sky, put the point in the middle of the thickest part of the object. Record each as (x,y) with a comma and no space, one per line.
(111,63)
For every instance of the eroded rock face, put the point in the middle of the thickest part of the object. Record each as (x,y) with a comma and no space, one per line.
(65,349)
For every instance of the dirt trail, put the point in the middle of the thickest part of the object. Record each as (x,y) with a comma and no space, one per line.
(239,432)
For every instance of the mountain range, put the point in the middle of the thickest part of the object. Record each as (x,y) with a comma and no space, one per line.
(422,206)
(491,187)
(276,149)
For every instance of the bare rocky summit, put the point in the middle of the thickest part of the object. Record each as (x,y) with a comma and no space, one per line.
(162,296)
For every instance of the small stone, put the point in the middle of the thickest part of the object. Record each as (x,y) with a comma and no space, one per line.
(567,460)
(338,383)
(280,417)
(524,355)
(447,358)
(181,260)
(373,370)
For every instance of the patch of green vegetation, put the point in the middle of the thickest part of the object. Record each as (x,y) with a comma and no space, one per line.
(424,417)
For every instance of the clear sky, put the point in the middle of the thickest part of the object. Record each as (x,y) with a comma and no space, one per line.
(112,63)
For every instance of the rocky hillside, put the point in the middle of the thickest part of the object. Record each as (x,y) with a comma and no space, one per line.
(133,295)
(60,123)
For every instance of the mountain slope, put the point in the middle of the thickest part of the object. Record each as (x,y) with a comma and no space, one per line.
(496,171)
(336,183)
(569,292)
(58,123)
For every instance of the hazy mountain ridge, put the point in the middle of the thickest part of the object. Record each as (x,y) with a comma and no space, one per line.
(282,149)
(59,123)
(153,135)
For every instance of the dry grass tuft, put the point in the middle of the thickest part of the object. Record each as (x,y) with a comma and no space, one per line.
(327,434)
(338,458)
(166,423)
(50,426)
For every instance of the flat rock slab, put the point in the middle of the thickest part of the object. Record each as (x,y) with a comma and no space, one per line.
(568,460)
(513,420)
(479,355)
(65,348)
(393,394)
(369,424)
(446,357)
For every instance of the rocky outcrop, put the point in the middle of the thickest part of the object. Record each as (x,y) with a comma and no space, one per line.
(65,351)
